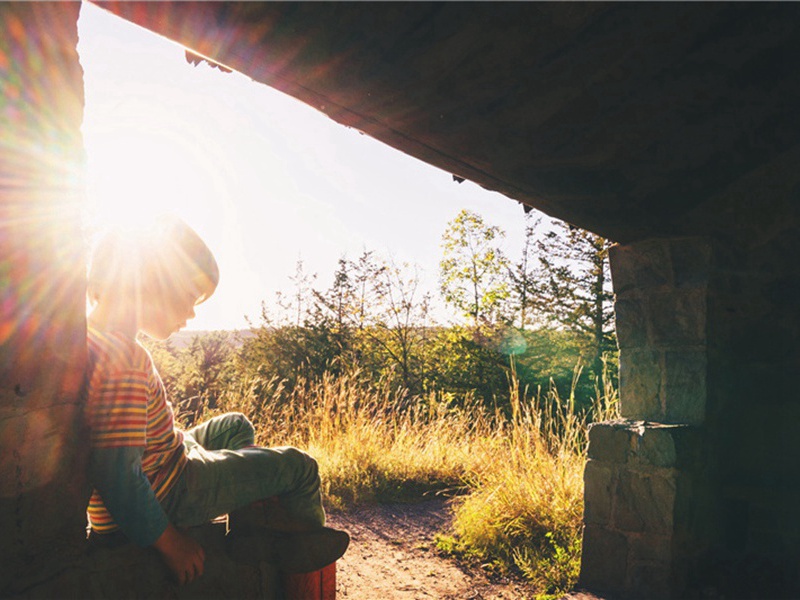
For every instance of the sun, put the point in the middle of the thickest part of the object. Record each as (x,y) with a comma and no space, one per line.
(136,173)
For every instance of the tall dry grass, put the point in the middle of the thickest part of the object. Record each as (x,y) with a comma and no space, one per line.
(516,475)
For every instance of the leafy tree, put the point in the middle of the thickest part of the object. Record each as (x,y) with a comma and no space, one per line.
(401,322)
(208,366)
(473,268)
(197,374)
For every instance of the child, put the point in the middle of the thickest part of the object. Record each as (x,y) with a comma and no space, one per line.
(151,478)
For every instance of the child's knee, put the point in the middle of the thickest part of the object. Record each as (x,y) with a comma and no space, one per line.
(240,422)
(304,462)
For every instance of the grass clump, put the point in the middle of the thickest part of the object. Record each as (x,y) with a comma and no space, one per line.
(516,474)
(525,506)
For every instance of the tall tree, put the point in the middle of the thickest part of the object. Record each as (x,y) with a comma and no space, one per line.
(401,321)
(472,272)
(524,281)
(577,286)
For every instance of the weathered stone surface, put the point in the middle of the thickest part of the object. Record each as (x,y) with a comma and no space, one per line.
(671,446)
(631,323)
(597,492)
(644,502)
(685,390)
(640,266)
(678,317)
(604,560)
(657,447)
(650,580)
(650,548)
(612,441)
(640,373)
(128,571)
(691,261)
(43,290)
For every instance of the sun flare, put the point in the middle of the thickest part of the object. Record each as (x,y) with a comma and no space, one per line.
(135,174)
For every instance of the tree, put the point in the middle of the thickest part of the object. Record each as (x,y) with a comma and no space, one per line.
(296,305)
(473,268)
(524,282)
(577,286)
(401,323)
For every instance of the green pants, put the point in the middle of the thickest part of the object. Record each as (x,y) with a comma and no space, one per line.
(225,471)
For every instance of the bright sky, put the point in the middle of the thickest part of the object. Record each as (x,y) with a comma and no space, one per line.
(263,178)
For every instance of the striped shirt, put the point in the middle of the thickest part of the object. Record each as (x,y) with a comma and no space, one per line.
(127,407)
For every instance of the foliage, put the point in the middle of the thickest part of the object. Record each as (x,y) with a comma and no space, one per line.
(576,285)
(374,442)
(473,267)
(395,406)
(524,513)
(196,374)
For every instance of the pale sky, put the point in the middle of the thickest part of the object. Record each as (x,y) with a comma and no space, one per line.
(264,178)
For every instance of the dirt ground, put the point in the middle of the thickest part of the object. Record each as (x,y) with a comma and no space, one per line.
(393,556)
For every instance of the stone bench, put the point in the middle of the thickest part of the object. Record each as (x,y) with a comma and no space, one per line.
(129,571)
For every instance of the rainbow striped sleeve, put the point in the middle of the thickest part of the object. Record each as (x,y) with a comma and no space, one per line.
(117,410)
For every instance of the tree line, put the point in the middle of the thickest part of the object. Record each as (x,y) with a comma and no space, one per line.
(546,313)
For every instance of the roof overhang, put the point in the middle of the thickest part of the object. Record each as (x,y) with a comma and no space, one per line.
(628,119)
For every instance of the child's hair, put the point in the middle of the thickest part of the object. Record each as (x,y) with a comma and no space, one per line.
(166,254)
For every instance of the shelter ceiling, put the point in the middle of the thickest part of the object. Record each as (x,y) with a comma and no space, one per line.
(628,119)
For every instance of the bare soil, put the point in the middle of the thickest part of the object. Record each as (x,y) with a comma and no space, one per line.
(393,556)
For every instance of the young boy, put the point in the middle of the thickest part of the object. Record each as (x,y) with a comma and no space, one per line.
(151,478)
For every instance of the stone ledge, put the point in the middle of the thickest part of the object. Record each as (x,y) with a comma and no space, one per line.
(129,571)
(645,443)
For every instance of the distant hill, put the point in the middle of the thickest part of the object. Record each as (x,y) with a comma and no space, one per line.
(185,337)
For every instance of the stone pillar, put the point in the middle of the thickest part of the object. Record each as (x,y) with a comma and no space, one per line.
(648,493)
(42,292)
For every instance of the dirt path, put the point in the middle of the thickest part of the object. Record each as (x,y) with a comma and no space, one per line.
(392,556)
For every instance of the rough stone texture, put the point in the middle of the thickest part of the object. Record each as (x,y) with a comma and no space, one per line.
(640,502)
(605,567)
(128,571)
(708,333)
(598,480)
(685,386)
(662,292)
(43,490)
(640,384)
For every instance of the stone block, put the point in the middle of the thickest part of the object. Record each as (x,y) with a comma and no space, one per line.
(597,490)
(685,390)
(644,502)
(612,441)
(604,560)
(631,323)
(691,261)
(687,440)
(657,446)
(650,548)
(640,266)
(650,580)
(678,317)
(640,385)
(128,571)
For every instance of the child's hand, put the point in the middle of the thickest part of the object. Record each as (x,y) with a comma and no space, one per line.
(184,556)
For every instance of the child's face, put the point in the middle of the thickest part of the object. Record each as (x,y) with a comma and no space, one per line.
(167,312)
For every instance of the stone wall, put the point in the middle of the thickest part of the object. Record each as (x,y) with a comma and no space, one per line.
(647,494)
(661,292)
(128,571)
(696,490)
(43,490)
(643,483)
